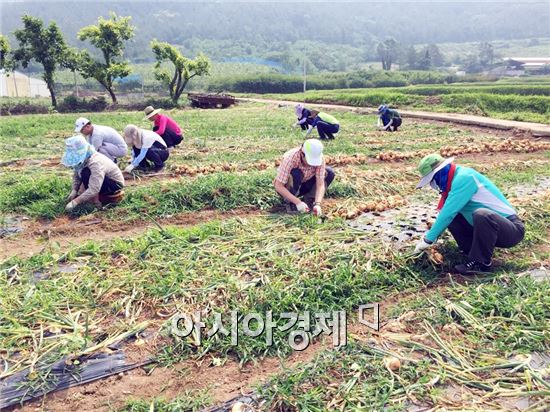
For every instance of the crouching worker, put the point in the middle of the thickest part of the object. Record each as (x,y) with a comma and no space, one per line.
(473,209)
(389,119)
(302,114)
(326,125)
(104,139)
(149,151)
(96,178)
(164,126)
(303,173)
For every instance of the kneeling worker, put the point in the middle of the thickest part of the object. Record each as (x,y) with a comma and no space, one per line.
(101,179)
(477,214)
(303,172)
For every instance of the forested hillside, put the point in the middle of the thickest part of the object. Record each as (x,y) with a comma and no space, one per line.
(277,31)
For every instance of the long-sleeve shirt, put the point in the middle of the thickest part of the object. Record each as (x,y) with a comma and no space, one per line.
(305,114)
(106,134)
(163,122)
(149,138)
(100,167)
(470,190)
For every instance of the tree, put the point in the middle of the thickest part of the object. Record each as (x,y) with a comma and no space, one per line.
(486,54)
(108,36)
(425,61)
(411,58)
(6,63)
(45,45)
(437,59)
(184,69)
(388,51)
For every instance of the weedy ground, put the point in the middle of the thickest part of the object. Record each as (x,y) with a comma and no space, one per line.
(460,343)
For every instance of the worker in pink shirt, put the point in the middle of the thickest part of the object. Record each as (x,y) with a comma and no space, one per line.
(164,126)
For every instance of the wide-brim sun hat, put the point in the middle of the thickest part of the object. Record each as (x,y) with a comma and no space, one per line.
(150,111)
(76,149)
(382,108)
(313,151)
(429,166)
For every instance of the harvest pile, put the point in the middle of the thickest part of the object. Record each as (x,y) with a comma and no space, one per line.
(351,212)
(510,146)
(392,156)
(189,170)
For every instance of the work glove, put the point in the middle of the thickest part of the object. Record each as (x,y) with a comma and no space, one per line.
(129,168)
(317,210)
(295,124)
(422,245)
(302,207)
(73,194)
(70,206)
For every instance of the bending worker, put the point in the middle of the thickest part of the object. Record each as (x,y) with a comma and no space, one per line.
(389,119)
(302,114)
(101,179)
(164,126)
(104,139)
(303,173)
(149,151)
(326,125)
(477,214)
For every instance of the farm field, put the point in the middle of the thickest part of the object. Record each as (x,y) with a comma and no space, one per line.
(209,234)
(512,99)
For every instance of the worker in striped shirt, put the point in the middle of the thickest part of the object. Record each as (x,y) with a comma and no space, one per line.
(304,174)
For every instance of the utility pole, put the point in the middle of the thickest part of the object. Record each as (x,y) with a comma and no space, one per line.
(305,76)
(15,84)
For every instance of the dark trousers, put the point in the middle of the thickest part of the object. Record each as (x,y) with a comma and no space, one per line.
(396,123)
(490,230)
(300,188)
(108,187)
(170,137)
(157,154)
(327,130)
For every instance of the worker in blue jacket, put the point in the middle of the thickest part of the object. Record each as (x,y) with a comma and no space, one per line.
(473,209)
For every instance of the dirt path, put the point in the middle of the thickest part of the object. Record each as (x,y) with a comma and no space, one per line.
(536,129)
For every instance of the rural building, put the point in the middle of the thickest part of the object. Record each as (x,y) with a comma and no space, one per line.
(528,64)
(17,84)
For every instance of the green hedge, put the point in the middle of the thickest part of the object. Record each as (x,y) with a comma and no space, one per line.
(280,83)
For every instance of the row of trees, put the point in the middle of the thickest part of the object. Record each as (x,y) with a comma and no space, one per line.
(47,46)
(390,51)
